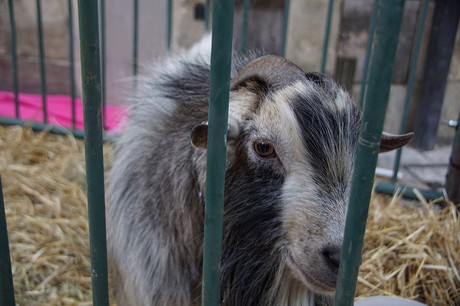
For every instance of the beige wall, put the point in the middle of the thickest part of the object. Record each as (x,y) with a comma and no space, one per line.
(305,33)
(186,30)
(119,50)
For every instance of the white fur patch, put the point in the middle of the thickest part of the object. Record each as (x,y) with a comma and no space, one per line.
(310,223)
(276,122)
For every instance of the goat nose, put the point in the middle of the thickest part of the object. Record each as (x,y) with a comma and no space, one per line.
(332,256)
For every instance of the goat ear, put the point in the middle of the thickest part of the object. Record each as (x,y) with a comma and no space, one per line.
(391,141)
(199,134)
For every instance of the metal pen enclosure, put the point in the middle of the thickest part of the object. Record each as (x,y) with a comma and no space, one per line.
(385,22)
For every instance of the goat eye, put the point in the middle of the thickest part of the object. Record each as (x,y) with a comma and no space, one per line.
(264,148)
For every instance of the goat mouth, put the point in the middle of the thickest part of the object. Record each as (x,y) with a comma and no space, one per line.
(312,283)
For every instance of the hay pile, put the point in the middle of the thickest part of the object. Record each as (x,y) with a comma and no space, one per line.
(44,187)
(410,252)
(413,252)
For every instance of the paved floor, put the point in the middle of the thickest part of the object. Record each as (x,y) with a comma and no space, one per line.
(421,169)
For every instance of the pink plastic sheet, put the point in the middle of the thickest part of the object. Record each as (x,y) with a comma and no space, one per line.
(59,110)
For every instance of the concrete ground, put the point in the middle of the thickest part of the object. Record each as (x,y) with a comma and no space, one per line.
(420,169)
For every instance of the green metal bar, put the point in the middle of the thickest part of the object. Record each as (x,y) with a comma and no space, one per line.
(285,26)
(217,147)
(6,276)
(103,57)
(411,81)
(380,74)
(327,32)
(14,58)
(453,171)
(207,11)
(170,25)
(135,41)
(245,25)
(407,192)
(370,42)
(72,64)
(91,82)
(36,126)
(135,34)
(41,53)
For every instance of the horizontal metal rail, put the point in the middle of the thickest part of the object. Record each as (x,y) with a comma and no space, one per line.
(37,126)
(408,192)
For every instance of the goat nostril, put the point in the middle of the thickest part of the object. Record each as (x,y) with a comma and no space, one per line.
(332,256)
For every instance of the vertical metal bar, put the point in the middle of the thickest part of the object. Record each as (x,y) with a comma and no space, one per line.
(411,81)
(284,28)
(244,28)
(216,160)
(381,70)
(206,15)
(327,32)
(135,34)
(370,42)
(72,65)
(41,53)
(135,41)
(14,59)
(91,81)
(103,56)
(170,24)
(6,277)
(453,172)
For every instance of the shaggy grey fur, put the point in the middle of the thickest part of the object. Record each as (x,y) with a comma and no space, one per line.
(284,212)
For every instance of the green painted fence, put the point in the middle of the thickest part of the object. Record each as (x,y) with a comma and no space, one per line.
(381,49)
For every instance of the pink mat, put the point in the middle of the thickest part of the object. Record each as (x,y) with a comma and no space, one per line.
(59,110)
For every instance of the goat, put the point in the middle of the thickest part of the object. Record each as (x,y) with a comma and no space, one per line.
(291,143)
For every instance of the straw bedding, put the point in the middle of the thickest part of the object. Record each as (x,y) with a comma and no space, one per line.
(410,251)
